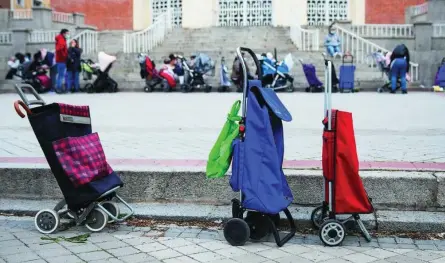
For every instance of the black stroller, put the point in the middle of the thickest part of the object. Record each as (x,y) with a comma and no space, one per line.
(103,82)
(334,79)
(77,160)
(257,172)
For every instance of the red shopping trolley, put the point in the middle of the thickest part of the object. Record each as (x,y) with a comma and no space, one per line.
(344,193)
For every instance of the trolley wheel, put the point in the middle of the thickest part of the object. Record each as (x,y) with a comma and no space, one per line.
(184,88)
(380,90)
(365,232)
(236,209)
(165,87)
(148,88)
(89,88)
(47,221)
(341,90)
(332,233)
(258,224)
(236,232)
(207,88)
(96,220)
(317,217)
(239,89)
(276,219)
(290,88)
(113,208)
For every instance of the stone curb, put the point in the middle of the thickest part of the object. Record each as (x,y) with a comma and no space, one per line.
(392,221)
(401,190)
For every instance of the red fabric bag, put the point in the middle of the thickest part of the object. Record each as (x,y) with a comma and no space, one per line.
(341,166)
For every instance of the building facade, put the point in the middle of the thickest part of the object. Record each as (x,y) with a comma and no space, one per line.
(138,14)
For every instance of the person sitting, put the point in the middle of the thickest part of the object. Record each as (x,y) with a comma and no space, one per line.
(332,43)
(48,59)
(13,64)
(399,67)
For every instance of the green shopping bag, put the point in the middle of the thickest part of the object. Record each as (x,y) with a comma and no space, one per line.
(221,154)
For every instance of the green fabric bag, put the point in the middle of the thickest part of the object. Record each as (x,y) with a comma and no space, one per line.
(221,154)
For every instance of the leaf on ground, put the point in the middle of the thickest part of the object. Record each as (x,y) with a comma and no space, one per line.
(75,239)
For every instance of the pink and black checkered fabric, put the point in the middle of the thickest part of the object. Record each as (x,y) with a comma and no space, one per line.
(80,111)
(82,158)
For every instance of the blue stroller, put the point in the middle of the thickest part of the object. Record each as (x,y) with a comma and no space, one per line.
(277,75)
(224,77)
(257,159)
(78,162)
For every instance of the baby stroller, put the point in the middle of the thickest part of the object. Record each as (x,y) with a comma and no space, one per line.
(103,82)
(277,75)
(195,74)
(76,158)
(343,188)
(225,78)
(89,68)
(258,153)
(384,67)
(38,78)
(315,85)
(150,74)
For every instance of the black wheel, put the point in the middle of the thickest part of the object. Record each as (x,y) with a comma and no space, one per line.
(332,233)
(239,89)
(290,88)
(308,89)
(341,90)
(258,224)
(276,219)
(148,88)
(184,88)
(236,209)
(47,221)
(380,90)
(207,88)
(317,217)
(89,88)
(96,220)
(236,232)
(165,87)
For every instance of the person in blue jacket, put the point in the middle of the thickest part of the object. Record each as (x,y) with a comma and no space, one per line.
(399,67)
(332,43)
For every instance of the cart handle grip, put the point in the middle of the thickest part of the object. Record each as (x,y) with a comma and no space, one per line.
(17,105)
(38,101)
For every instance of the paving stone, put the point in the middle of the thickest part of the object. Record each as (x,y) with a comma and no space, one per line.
(404,240)
(183,259)
(214,245)
(206,257)
(402,259)
(4,251)
(232,252)
(273,253)
(427,247)
(359,258)
(112,244)
(424,242)
(10,243)
(123,251)
(137,258)
(188,234)
(165,254)
(250,258)
(177,242)
(32,261)
(316,256)
(423,255)
(22,257)
(151,247)
(190,249)
(108,260)
(54,252)
(138,241)
(439,260)
(386,240)
(101,238)
(64,259)
(5,236)
(96,255)
(380,253)
(88,247)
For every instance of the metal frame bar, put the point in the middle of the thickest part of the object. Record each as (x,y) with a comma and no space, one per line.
(38,101)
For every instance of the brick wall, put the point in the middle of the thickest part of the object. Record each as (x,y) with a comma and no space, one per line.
(5,3)
(104,14)
(388,11)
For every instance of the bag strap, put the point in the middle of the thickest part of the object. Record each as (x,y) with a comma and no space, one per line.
(233,114)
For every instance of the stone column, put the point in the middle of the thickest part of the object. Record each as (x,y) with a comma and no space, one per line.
(19,40)
(436,11)
(423,55)
(42,18)
(79,19)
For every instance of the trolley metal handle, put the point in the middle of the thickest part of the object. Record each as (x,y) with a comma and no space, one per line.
(239,51)
(38,101)
(328,93)
(17,105)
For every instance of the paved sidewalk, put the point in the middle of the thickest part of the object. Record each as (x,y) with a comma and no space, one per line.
(20,242)
(159,126)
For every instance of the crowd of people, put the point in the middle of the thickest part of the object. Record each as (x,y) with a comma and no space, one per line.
(63,64)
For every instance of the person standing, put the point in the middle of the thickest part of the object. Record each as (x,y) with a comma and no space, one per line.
(61,57)
(73,66)
(399,67)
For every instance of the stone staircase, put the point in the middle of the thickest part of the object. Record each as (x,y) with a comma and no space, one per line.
(220,42)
